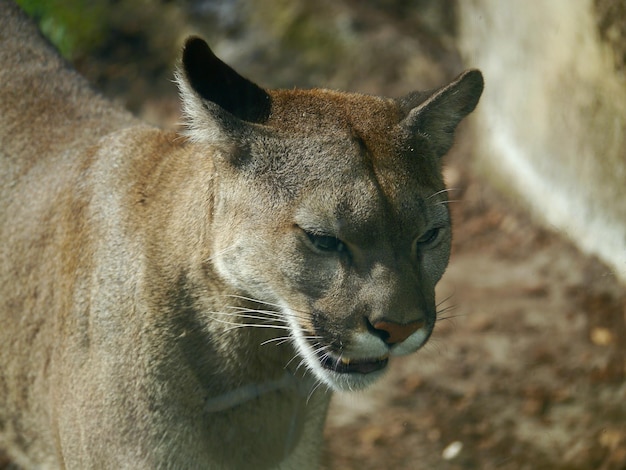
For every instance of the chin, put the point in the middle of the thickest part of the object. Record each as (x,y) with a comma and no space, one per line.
(338,371)
(348,381)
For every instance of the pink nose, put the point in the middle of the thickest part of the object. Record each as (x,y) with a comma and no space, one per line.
(393,333)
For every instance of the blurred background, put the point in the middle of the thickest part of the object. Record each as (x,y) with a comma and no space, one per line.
(527,366)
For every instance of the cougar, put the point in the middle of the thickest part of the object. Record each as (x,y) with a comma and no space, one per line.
(191,299)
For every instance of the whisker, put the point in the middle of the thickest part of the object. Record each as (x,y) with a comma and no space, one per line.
(450,317)
(283,339)
(237,310)
(317,385)
(446,309)
(264,302)
(302,359)
(445,190)
(239,316)
(219,253)
(300,364)
(259,310)
(244,314)
(233,323)
(441,203)
(269,313)
(295,356)
(441,318)
(251,313)
(317,347)
(279,340)
(250,325)
(445,300)
(251,299)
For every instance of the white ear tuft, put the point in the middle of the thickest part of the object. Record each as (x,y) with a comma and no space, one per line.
(201,123)
(218,103)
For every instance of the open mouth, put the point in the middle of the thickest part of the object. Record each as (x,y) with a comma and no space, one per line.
(353,366)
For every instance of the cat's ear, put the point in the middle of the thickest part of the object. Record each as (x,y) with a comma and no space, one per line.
(435,115)
(218,103)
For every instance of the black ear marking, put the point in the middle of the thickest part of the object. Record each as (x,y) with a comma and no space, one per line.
(215,81)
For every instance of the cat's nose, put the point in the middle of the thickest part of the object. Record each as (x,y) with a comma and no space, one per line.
(393,333)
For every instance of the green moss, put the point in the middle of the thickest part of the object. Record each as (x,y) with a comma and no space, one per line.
(304,27)
(73,26)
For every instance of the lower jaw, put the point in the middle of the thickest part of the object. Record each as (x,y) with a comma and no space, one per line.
(353,376)
(350,381)
(362,367)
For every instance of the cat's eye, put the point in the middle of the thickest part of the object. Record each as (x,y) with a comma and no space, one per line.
(326,243)
(429,237)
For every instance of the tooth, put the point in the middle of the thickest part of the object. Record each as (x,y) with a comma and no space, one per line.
(345,360)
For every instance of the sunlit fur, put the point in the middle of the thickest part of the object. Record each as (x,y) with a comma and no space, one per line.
(161,303)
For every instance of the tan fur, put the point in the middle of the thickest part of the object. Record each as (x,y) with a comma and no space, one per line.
(156,291)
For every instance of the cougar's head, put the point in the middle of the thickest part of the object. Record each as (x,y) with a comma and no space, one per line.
(330,209)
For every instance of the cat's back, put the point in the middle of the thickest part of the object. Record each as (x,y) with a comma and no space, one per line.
(46,108)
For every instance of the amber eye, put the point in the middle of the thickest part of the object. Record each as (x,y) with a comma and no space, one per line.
(326,243)
(429,237)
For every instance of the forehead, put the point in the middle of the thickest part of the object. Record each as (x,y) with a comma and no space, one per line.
(355,165)
(364,201)
(327,111)
(362,198)
(371,124)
